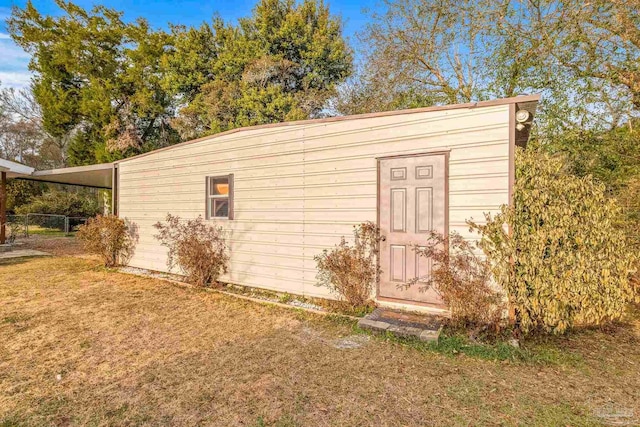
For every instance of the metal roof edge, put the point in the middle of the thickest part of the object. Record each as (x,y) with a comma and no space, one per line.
(88,168)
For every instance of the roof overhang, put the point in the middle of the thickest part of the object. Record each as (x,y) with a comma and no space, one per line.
(13,167)
(97,176)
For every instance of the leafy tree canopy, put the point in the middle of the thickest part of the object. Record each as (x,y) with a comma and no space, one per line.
(282,63)
(108,88)
(75,204)
(97,80)
(583,58)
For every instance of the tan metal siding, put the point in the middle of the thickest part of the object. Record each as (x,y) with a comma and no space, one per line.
(299,188)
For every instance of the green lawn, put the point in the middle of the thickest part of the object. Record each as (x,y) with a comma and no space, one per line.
(45,231)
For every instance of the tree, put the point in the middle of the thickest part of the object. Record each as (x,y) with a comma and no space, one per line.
(424,52)
(22,135)
(108,89)
(97,80)
(599,39)
(68,203)
(19,140)
(582,57)
(280,64)
(585,63)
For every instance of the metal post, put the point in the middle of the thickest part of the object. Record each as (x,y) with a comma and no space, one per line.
(114,190)
(3,207)
(66,225)
(26,230)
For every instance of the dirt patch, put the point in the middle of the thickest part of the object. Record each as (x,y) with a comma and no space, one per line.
(352,341)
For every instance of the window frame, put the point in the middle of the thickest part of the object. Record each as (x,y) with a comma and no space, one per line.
(208,197)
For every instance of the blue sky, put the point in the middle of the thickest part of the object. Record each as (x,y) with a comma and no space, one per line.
(13,61)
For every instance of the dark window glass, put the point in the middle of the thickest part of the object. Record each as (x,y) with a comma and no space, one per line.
(218,197)
(221,208)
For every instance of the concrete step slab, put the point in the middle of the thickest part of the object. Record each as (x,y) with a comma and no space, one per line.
(403,324)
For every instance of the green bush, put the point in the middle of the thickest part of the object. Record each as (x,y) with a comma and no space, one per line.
(629,199)
(20,192)
(62,203)
(557,252)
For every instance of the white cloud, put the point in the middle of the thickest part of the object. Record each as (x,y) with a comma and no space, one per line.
(11,52)
(14,67)
(17,80)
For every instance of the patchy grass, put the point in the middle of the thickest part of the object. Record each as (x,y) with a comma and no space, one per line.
(454,344)
(39,230)
(343,307)
(80,345)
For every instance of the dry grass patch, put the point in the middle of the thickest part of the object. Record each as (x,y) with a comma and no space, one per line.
(80,345)
(55,245)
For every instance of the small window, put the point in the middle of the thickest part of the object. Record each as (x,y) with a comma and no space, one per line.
(220,197)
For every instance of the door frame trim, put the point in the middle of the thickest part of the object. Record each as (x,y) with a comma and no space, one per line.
(420,154)
(446,154)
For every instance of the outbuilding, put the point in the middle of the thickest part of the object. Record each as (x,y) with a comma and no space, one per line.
(286,191)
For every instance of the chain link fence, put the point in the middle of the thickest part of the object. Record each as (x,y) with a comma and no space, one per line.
(42,224)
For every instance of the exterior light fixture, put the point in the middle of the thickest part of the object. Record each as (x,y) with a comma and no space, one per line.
(522,117)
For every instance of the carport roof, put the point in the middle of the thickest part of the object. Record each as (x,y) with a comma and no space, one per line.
(9,166)
(98,176)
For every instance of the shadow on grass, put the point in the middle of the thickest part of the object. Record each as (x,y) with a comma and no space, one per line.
(11,421)
(21,260)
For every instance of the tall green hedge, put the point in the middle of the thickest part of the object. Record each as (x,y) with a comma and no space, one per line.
(557,251)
